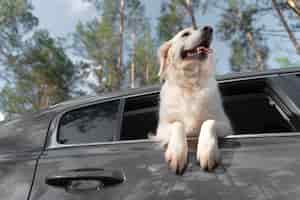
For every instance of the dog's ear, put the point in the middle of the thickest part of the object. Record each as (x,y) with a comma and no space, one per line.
(163,55)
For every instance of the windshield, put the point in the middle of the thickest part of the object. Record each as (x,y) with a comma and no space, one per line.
(51,51)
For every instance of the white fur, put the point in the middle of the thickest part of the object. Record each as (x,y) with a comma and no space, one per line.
(189,102)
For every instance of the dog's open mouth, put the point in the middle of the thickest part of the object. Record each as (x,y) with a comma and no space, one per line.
(198,52)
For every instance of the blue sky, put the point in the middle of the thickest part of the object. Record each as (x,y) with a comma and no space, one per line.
(61,16)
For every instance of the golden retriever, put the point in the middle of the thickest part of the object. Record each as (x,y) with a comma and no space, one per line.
(190,103)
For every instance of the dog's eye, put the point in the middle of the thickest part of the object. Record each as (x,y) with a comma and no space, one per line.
(185,34)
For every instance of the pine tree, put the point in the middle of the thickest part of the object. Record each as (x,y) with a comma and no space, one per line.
(248,52)
(43,75)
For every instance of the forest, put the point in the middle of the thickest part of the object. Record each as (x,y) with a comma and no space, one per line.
(118,46)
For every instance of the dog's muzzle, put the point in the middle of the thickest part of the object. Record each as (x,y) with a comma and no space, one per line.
(201,50)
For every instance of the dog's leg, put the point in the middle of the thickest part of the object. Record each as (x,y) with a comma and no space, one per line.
(207,151)
(177,150)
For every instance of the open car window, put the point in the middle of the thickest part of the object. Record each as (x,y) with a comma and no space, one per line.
(251,106)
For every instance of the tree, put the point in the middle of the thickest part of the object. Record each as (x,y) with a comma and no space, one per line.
(176,14)
(248,51)
(16,21)
(138,32)
(112,40)
(121,38)
(98,41)
(43,75)
(146,59)
(188,5)
(286,26)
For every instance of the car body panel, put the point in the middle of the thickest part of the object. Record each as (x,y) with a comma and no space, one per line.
(16,174)
(252,168)
(25,133)
(21,142)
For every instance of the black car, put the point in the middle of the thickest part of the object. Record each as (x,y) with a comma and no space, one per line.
(97,147)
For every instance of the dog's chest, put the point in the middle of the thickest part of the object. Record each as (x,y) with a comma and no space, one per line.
(194,110)
(188,107)
(192,107)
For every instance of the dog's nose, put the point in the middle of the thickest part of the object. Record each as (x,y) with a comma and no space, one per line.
(207,29)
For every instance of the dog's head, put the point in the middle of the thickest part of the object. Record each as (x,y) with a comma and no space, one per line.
(187,54)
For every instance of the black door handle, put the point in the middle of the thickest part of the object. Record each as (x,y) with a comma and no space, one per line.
(85,179)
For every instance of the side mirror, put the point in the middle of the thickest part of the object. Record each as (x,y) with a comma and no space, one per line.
(294,5)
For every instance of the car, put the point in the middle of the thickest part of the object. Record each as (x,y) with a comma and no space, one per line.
(98,147)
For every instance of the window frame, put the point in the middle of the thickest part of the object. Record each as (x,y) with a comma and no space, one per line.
(52,135)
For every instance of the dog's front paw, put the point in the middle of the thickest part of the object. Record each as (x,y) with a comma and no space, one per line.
(176,157)
(177,149)
(208,153)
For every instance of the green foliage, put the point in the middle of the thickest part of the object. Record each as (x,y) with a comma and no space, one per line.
(237,26)
(44,75)
(170,22)
(146,60)
(237,58)
(49,65)
(285,62)
(40,72)
(98,41)
(173,18)
(16,20)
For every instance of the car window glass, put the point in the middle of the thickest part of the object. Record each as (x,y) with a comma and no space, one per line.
(97,123)
(140,117)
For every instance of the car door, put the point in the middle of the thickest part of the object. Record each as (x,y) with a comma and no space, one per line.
(21,142)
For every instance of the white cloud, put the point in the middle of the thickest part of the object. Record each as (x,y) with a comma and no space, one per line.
(78,6)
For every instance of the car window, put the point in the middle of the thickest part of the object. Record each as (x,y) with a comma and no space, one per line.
(242,101)
(96,123)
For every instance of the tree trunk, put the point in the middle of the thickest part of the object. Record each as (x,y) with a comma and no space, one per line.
(147,73)
(133,38)
(286,27)
(121,33)
(251,42)
(258,56)
(189,8)
(43,97)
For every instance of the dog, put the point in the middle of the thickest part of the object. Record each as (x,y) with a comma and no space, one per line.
(190,102)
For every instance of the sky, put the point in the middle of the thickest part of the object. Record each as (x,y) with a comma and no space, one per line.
(60,17)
